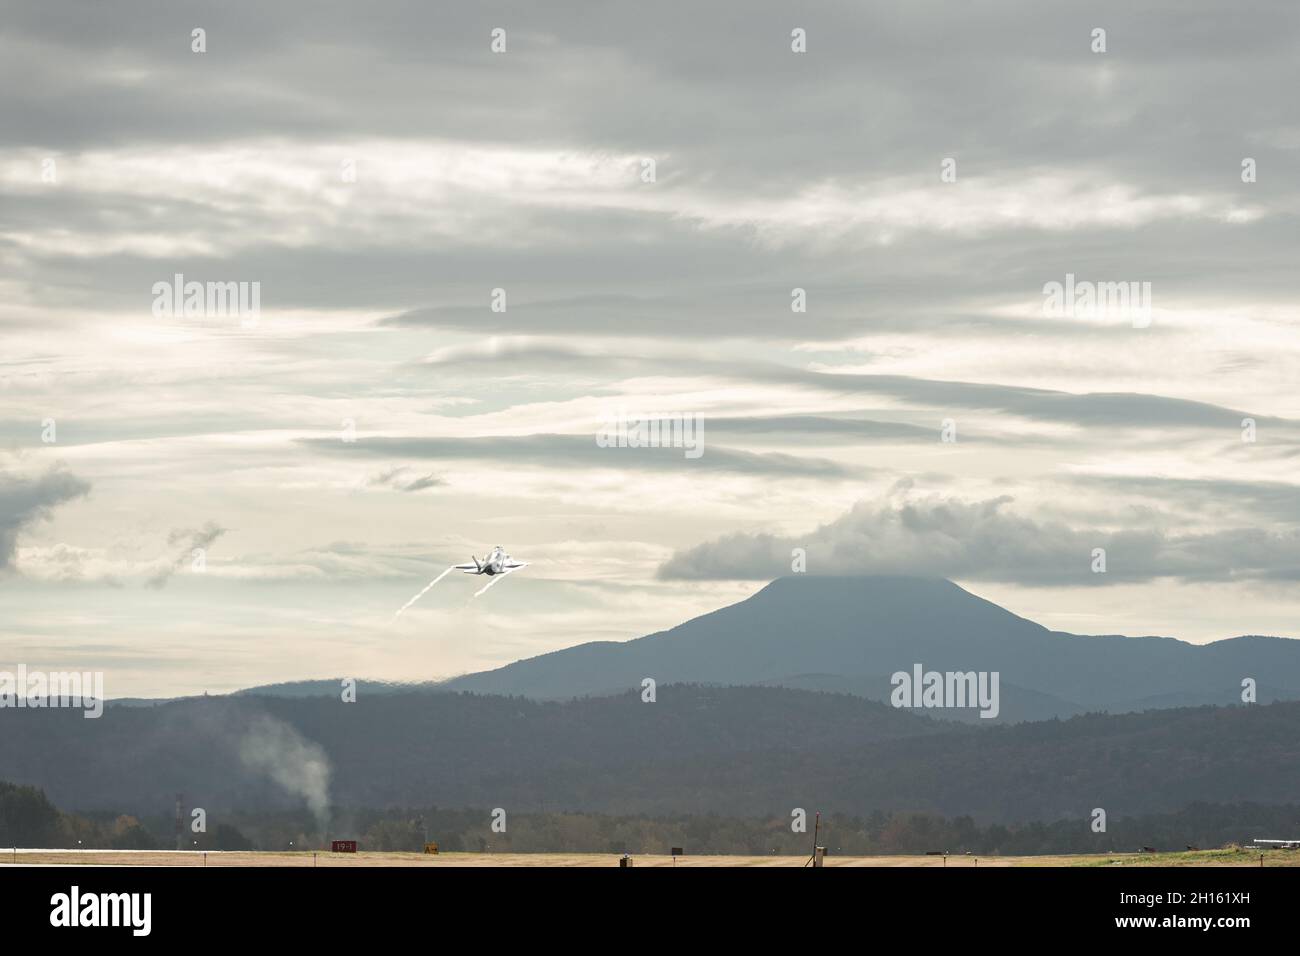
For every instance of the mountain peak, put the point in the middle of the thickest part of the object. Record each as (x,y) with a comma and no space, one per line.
(855,632)
(902,586)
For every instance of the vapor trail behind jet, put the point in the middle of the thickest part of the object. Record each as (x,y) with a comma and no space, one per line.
(490,583)
(425,591)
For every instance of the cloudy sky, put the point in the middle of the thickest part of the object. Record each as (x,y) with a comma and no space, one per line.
(922,172)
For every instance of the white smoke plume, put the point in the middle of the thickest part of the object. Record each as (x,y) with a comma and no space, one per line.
(297,764)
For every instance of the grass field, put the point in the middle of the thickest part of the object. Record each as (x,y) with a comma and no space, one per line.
(1225,857)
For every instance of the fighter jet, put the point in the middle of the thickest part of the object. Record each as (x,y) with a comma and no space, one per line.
(498,562)
(496,566)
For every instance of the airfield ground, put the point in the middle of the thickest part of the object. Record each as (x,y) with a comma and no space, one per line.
(1224,857)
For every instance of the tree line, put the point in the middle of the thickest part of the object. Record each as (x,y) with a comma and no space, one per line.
(29,819)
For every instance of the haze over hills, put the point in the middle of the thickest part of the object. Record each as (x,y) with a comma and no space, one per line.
(571,729)
(729,751)
(850,634)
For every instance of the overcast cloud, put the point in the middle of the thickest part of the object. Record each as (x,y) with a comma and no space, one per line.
(381,174)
